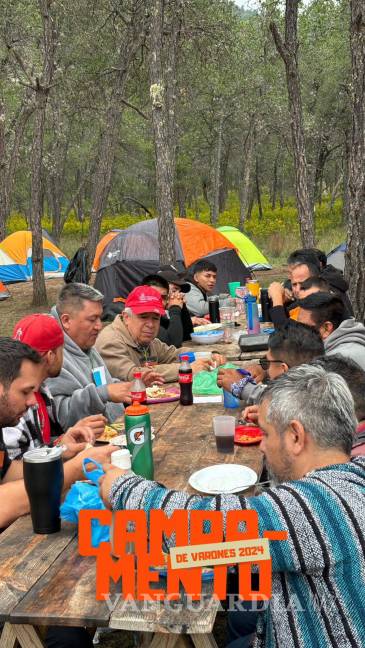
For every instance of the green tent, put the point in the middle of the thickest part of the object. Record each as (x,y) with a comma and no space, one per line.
(248,252)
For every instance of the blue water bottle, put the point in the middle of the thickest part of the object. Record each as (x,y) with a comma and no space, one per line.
(252,315)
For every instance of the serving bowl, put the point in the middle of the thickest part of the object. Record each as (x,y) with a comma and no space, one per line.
(207,337)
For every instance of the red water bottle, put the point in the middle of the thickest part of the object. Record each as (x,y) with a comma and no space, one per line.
(186,381)
(138,388)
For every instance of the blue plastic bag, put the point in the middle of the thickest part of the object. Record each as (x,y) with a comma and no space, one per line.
(83,495)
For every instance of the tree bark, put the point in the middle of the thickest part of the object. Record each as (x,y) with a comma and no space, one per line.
(132,39)
(217,172)
(224,180)
(245,184)
(162,70)
(42,88)
(258,190)
(355,255)
(288,51)
(275,183)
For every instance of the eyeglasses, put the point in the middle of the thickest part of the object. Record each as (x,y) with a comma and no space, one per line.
(264,363)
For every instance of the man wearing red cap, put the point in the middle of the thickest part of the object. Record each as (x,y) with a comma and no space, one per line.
(131,340)
(40,425)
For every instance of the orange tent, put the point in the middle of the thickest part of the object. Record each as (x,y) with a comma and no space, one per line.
(132,253)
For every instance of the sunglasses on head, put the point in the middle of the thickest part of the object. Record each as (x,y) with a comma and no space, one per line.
(264,363)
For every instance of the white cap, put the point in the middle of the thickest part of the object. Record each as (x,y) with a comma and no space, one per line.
(121,459)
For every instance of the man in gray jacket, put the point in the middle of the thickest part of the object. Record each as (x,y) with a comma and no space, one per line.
(84,385)
(341,334)
(203,282)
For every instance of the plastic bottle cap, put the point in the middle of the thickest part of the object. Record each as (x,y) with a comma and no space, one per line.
(136,409)
(137,374)
(185,358)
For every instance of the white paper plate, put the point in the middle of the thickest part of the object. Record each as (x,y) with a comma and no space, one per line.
(223,478)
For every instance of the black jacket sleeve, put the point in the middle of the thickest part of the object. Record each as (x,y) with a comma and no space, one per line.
(171,330)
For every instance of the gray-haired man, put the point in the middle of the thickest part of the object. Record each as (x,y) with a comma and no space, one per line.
(308,420)
(84,385)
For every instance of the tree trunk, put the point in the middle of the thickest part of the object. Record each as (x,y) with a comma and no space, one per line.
(163,95)
(250,204)
(217,173)
(288,52)
(275,178)
(3,192)
(346,164)
(224,173)
(355,255)
(131,42)
(42,87)
(258,190)
(335,191)
(245,184)
(36,203)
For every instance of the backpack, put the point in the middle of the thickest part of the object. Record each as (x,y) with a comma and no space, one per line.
(77,269)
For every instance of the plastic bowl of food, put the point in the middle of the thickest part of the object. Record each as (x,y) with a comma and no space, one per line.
(207,337)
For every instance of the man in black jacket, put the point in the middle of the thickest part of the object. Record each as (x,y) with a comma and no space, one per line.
(178,325)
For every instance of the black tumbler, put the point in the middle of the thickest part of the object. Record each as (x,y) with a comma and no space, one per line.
(266,305)
(213,303)
(43,479)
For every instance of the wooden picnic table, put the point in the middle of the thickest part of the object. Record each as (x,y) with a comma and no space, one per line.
(231,350)
(44,581)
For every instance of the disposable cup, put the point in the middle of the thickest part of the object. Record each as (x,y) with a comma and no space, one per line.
(224,428)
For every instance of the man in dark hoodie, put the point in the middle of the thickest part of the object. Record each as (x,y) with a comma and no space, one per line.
(340,333)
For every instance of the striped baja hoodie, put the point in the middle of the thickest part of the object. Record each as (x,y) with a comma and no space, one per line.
(318,588)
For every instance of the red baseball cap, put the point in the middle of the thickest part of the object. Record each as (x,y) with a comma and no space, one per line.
(41,331)
(145,299)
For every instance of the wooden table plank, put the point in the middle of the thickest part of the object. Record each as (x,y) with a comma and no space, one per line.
(24,558)
(65,595)
(160,413)
(186,443)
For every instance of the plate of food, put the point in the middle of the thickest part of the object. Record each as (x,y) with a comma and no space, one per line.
(117,436)
(162,394)
(207,327)
(247,434)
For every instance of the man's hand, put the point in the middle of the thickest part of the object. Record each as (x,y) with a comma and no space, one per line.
(276,293)
(198,321)
(201,365)
(218,359)
(151,377)
(251,414)
(75,440)
(105,483)
(226,378)
(96,422)
(73,468)
(176,299)
(120,392)
(257,372)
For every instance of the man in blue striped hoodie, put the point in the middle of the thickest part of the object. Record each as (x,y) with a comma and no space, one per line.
(318,593)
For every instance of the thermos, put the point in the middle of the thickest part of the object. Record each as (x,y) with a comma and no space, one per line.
(213,304)
(43,480)
(252,315)
(138,430)
(266,305)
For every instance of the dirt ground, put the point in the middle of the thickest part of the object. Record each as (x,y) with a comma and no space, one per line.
(20,301)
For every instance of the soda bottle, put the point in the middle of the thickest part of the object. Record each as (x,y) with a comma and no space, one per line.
(138,388)
(186,381)
(138,430)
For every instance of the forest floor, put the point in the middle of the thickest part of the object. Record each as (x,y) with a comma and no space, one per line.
(19,303)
